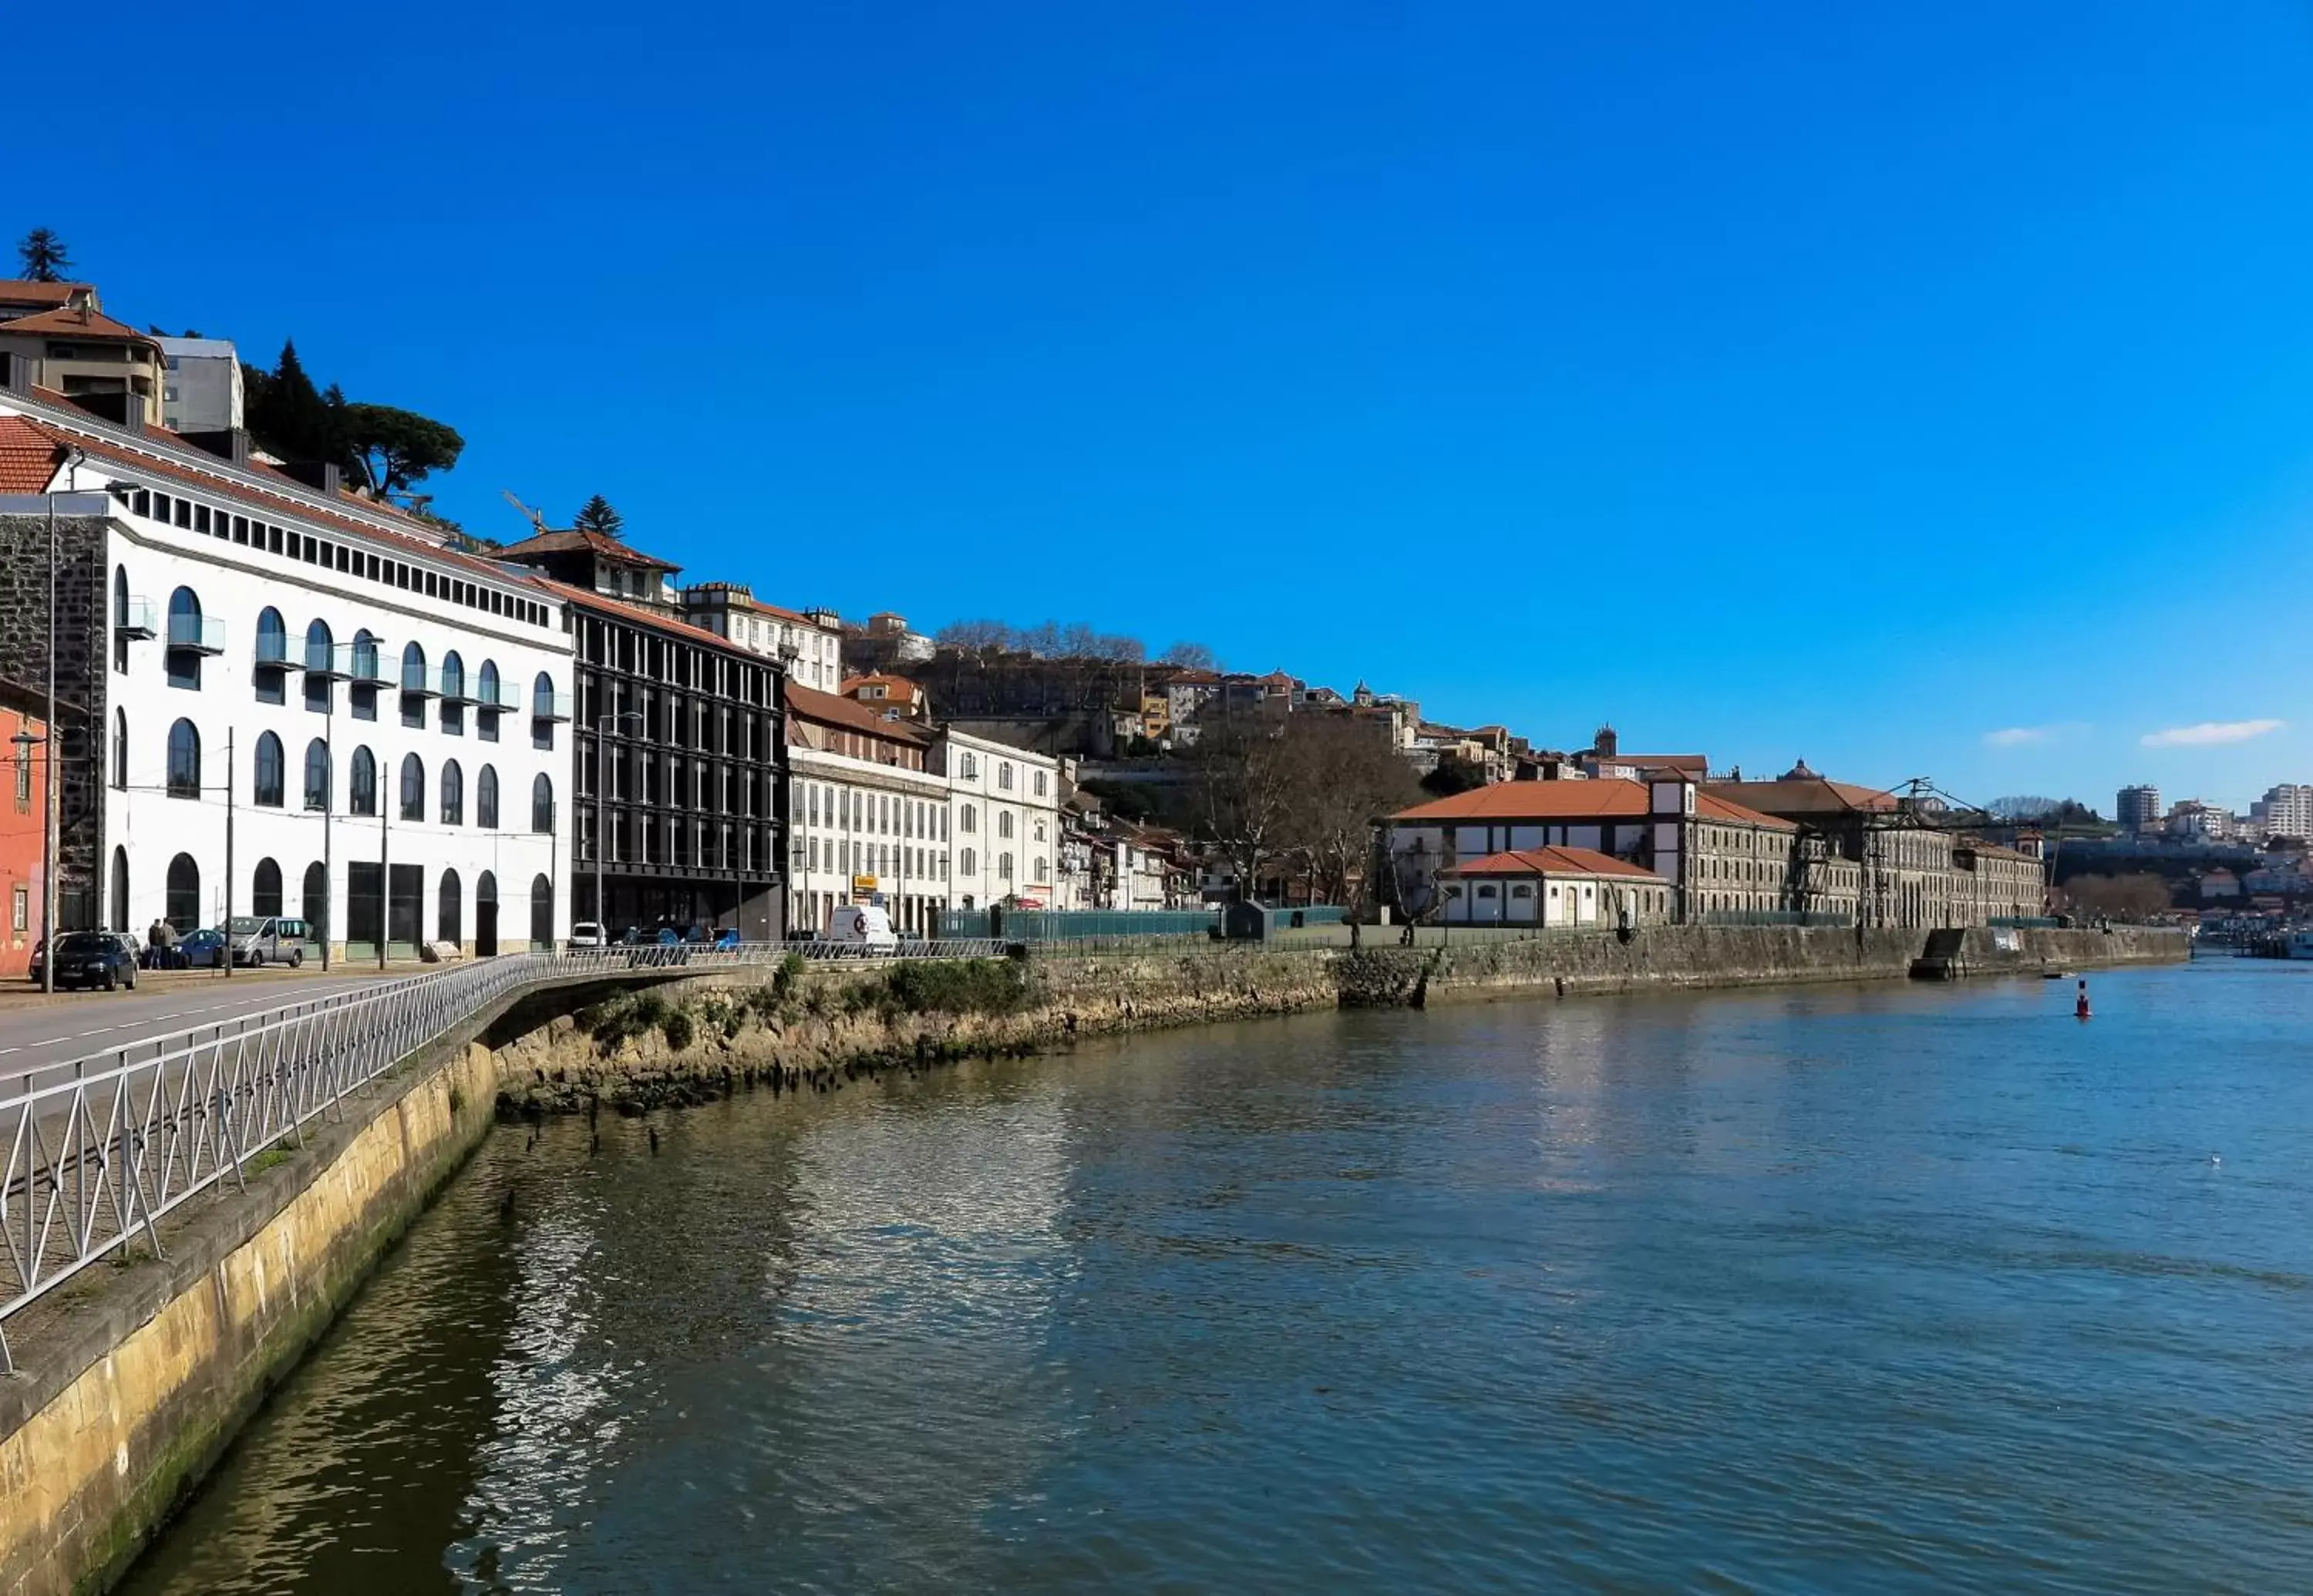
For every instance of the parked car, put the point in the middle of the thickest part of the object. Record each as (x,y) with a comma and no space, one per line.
(260,939)
(203,949)
(92,958)
(861,929)
(589,933)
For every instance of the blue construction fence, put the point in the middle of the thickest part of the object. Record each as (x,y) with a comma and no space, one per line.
(1074,925)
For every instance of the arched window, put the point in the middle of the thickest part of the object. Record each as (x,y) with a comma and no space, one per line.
(272,637)
(120,596)
(317,776)
(541,912)
(541,804)
(120,889)
(268,771)
(413,787)
(454,794)
(413,668)
(184,903)
(1004,824)
(184,761)
(314,909)
(361,783)
(486,798)
(265,891)
(542,695)
(365,657)
(321,647)
(120,748)
(486,916)
(188,638)
(1004,775)
(454,674)
(450,919)
(487,689)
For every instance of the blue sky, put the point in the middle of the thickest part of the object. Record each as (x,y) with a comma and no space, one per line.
(1771,380)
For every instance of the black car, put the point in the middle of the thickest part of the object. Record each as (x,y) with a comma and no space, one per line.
(92,958)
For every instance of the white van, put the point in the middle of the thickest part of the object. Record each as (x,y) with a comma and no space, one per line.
(863,927)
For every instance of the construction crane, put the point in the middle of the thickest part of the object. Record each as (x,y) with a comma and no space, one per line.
(536,519)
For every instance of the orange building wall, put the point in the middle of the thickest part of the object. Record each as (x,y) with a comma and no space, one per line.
(22,806)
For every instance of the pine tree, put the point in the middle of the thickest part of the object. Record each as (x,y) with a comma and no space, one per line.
(597,515)
(290,415)
(45,259)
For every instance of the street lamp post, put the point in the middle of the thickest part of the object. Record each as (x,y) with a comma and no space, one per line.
(25,743)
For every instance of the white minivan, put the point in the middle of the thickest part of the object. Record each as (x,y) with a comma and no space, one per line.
(861,927)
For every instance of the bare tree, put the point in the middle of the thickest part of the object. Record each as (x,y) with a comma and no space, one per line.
(1195,656)
(973,635)
(1343,777)
(1244,790)
(2133,897)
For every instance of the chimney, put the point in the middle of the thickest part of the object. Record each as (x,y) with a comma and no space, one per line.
(230,445)
(327,475)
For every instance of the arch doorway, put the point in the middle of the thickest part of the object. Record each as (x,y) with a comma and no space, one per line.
(486,916)
(541,915)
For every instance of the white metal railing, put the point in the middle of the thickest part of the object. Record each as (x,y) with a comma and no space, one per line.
(99,1148)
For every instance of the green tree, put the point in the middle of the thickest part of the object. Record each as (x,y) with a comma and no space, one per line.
(45,259)
(1452,776)
(597,515)
(391,449)
(288,414)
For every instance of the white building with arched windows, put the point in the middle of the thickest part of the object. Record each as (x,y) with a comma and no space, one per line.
(307,703)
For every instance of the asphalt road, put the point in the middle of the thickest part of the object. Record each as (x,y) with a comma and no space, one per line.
(37,1030)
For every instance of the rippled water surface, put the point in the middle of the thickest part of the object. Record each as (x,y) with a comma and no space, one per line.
(1885,1289)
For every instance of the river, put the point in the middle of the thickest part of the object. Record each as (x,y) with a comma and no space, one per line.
(1888,1288)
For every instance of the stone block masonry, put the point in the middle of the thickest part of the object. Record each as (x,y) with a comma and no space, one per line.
(81,631)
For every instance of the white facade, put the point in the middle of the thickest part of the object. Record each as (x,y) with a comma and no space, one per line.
(219,735)
(200,385)
(859,829)
(2286,810)
(1006,805)
(810,646)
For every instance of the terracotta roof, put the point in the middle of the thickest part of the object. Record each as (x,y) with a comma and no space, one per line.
(1805,795)
(78,324)
(836,710)
(1551,862)
(1613,798)
(149,466)
(561,542)
(639,614)
(1660,762)
(28,457)
(25,291)
(897,686)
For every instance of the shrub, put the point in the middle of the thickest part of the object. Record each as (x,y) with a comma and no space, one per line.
(965,986)
(677,1026)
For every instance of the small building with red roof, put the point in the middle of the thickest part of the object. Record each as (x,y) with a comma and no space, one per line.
(1550,887)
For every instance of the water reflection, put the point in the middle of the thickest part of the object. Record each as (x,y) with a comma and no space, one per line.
(1879,1288)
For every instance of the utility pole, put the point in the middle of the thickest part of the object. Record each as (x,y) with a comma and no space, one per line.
(384,875)
(329,800)
(228,853)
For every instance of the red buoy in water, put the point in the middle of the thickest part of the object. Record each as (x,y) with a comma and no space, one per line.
(2080,1007)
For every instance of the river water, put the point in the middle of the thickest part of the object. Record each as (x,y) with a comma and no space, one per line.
(1884,1288)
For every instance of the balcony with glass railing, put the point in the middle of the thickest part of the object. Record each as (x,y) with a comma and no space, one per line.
(136,618)
(196,634)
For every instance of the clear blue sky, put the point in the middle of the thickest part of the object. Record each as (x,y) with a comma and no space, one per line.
(1844,381)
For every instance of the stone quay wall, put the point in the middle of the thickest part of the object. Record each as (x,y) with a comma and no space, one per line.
(135,1378)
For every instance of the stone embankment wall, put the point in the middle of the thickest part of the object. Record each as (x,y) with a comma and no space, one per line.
(136,1378)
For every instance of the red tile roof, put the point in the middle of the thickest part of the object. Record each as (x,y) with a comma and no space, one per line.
(1615,798)
(559,543)
(155,464)
(835,709)
(635,614)
(1805,794)
(25,291)
(1551,862)
(83,324)
(28,457)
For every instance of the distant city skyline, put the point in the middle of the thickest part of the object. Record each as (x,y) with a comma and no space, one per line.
(1786,385)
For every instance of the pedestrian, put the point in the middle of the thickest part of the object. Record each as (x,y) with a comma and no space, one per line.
(153,935)
(167,960)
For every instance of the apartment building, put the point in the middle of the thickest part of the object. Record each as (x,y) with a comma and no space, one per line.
(1006,805)
(871,816)
(2138,809)
(808,643)
(201,386)
(285,700)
